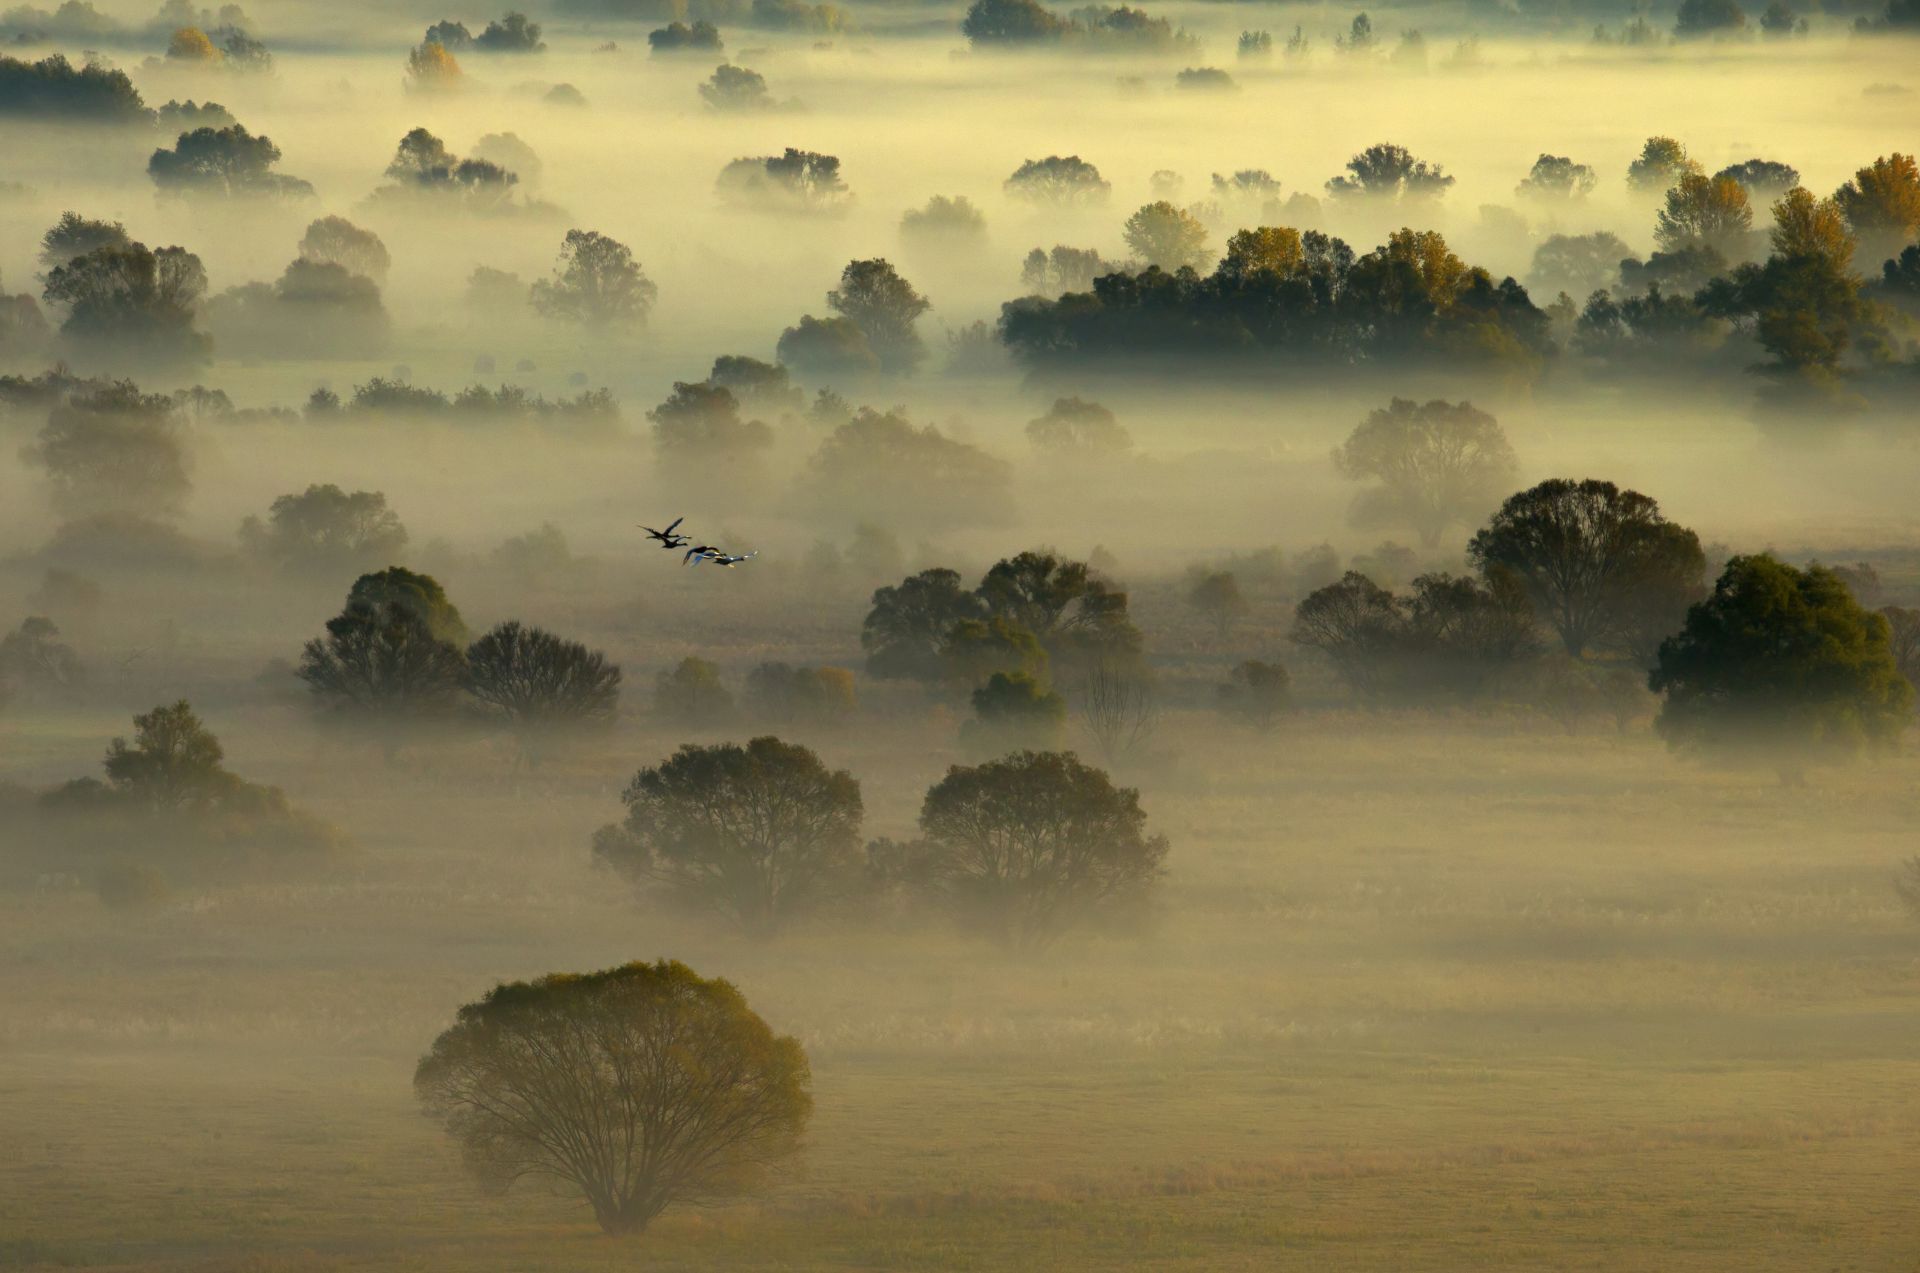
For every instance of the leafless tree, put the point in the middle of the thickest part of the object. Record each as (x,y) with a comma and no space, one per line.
(1118,706)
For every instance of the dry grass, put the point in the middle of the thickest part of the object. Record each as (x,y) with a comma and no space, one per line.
(1420,995)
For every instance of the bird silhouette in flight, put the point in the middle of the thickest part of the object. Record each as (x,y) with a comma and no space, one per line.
(666,537)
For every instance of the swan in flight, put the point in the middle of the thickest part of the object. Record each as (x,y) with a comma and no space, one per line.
(666,537)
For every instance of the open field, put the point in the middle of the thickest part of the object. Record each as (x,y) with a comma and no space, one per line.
(1421,994)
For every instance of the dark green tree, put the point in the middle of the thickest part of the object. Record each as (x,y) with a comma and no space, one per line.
(172,765)
(132,296)
(836,347)
(1058,179)
(1782,664)
(74,235)
(223,161)
(1014,711)
(419,594)
(1387,171)
(1011,22)
(1073,611)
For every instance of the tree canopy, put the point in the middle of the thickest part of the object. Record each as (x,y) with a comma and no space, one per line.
(1433,465)
(763,833)
(641,1087)
(226,161)
(1280,296)
(1028,847)
(1602,565)
(596,283)
(1780,663)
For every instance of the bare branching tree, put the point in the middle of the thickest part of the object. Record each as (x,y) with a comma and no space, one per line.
(1118,706)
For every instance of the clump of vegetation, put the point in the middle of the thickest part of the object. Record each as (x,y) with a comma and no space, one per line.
(794,181)
(324,530)
(1782,665)
(1028,848)
(763,833)
(169,799)
(596,283)
(639,1088)
(682,37)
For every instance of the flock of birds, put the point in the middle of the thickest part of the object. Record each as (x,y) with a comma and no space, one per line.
(696,553)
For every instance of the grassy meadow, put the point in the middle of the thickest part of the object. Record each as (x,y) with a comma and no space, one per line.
(1420,993)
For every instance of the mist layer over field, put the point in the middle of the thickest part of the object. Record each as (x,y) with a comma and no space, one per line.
(1489,981)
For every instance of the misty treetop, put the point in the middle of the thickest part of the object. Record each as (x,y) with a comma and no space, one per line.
(53,88)
(1058,179)
(595,283)
(1448,637)
(1434,464)
(792,181)
(908,474)
(682,37)
(1028,848)
(700,423)
(764,833)
(1603,566)
(1282,296)
(1029,612)
(170,804)
(1004,24)
(1783,665)
(1388,172)
(128,301)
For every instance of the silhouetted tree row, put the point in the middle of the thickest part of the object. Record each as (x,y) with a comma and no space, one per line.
(1281,296)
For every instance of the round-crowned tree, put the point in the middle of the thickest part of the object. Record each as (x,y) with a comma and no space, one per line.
(1780,664)
(639,1087)
(542,685)
(1029,846)
(904,632)
(763,833)
(324,528)
(1602,566)
(1431,465)
(390,655)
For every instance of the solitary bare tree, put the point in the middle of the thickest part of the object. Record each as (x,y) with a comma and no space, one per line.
(639,1086)
(1118,705)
